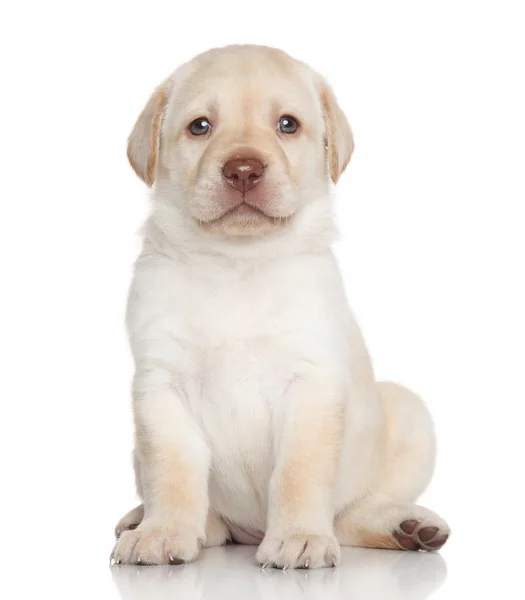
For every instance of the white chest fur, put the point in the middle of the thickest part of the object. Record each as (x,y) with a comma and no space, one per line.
(231,341)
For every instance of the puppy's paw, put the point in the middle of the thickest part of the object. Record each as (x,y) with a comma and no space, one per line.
(130,520)
(429,534)
(157,544)
(299,551)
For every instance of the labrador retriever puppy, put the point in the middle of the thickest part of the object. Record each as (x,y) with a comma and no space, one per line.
(257,416)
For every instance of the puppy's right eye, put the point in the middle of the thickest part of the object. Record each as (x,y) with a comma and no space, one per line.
(200,126)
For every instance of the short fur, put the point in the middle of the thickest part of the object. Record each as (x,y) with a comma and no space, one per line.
(257,414)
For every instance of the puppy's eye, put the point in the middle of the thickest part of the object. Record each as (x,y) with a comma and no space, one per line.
(287,124)
(200,126)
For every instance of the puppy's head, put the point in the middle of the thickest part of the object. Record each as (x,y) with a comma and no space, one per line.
(241,138)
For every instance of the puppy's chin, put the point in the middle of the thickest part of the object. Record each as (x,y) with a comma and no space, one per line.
(244,221)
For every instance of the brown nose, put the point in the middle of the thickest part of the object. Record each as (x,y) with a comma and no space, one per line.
(243,173)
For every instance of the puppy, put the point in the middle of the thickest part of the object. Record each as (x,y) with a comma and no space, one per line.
(257,416)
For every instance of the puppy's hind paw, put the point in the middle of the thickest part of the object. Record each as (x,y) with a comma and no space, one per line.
(131,520)
(421,535)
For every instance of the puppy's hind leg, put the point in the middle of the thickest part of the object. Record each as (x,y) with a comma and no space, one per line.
(381,522)
(388,517)
(133,518)
(130,520)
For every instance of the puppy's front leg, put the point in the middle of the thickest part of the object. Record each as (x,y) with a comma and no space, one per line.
(174,463)
(301,504)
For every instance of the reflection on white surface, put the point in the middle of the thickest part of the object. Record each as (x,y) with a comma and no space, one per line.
(231,573)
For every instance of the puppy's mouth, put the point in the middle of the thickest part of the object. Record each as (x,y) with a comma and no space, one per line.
(245,212)
(245,208)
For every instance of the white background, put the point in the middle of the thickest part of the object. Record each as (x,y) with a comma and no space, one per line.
(433,248)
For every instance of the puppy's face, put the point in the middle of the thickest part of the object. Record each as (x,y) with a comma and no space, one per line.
(241,138)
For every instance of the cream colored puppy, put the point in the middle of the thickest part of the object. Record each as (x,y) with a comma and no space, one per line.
(258,419)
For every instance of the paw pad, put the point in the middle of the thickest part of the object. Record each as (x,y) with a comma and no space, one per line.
(412,536)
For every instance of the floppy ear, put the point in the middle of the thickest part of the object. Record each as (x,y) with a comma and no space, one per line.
(339,139)
(144,140)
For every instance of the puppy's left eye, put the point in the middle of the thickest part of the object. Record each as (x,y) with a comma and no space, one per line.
(200,126)
(287,124)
